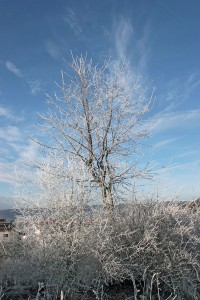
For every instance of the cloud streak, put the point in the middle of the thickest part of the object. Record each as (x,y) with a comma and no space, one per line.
(130,45)
(35,87)
(4,112)
(15,147)
(33,84)
(185,166)
(169,10)
(166,142)
(18,151)
(7,173)
(7,114)
(123,34)
(13,69)
(10,133)
(179,90)
(53,50)
(168,120)
(73,21)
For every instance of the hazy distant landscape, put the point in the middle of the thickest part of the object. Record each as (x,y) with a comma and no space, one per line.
(9,214)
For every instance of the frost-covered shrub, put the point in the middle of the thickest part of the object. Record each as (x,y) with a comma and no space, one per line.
(155,246)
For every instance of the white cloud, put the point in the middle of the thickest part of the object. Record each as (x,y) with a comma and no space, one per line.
(179,90)
(188,153)
(30,151)
(170,10)
(192,82)
(178,180)
(168,120)
(10,133)
(8,114)
(143,48)
(12,68)
(132,46)
(73,21)
(123,34)
(7,173)
(13,170)
(53,50)
(15,148)
(166,142)
(4,112)
(183,166)
(35,87)
(15,173)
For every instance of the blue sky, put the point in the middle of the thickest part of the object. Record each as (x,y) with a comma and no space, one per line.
(159,38)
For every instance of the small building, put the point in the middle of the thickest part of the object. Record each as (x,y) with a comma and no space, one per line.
(6,230)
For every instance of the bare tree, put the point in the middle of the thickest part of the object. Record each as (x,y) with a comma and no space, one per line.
(97,118)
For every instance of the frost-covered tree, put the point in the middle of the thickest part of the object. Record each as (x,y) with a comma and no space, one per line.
(97,118)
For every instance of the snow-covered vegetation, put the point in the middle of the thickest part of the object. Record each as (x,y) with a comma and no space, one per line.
(79,237)
(153,247)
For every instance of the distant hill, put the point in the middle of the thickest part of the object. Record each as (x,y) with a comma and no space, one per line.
(9,214)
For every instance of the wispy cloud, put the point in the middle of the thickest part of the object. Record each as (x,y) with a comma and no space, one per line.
(15,173)
(170,10)
(12,68)
(35,87)
(192,82)
(30,151)
(18,151)
(185,166)
(8,173)
(143,48)
(130,45)
(10,133)
(33,84)
(5,112)
(123,35)
(53,50)
(168,120)
(8,114)
(188,153)
(179,90)
(73,21)
(166,142)
(177,180)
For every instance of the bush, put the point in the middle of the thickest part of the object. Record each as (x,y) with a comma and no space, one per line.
(144,250)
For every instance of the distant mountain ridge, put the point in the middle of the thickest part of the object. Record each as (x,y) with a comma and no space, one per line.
(9,214)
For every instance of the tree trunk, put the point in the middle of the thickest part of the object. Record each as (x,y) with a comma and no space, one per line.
(110,197)
(104,195)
